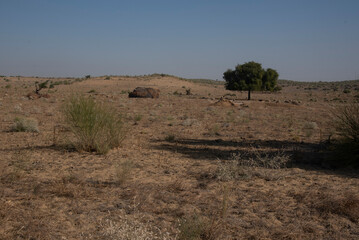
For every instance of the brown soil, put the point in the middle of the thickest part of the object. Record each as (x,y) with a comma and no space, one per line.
(167,166)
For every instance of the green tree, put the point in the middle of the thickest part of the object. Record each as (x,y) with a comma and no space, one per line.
(269,80)
(249,77)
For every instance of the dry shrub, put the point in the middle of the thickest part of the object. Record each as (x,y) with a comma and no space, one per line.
(251,164)
(346,151)
(347,123)
(197,228)
(97,127)
(25,125)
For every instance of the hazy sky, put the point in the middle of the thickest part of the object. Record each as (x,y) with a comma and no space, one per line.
(308,40)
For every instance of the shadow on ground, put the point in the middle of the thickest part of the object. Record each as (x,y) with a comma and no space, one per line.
(307,156)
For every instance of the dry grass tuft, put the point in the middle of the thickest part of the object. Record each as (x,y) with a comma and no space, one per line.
(197,228)
(25,125)
(123,171)
(97,127)
(348,122)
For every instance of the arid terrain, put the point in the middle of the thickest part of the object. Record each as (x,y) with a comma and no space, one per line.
(177,167)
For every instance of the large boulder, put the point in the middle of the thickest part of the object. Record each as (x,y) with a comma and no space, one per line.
(141,92)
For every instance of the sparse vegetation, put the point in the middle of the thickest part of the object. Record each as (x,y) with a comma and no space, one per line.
(170,138)
(40,86)
(244,171)
(347,126)
(123,171)
(348,122)
(22,124)
(251,164)
(138,117)
(196,228)
(97,127)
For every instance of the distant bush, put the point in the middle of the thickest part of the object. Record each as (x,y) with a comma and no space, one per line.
(170,138)
(97,127)
(25,125)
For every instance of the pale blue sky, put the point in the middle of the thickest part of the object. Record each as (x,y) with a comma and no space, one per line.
(304,40)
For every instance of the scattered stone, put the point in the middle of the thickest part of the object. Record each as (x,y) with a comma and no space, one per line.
(141,92)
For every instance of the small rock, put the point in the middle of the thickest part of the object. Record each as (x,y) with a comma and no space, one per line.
(141,92)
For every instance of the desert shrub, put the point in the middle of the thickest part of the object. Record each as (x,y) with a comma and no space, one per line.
(309,128)
(346,150)
(25,125)
(97,127)
(197,228)
(170,138)
(347,123)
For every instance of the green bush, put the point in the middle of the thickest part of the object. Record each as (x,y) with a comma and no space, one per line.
(25,125)
(97,127)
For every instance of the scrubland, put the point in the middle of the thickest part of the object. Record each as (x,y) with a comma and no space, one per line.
(189,165)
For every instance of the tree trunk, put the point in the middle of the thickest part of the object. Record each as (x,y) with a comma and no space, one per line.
(249,94)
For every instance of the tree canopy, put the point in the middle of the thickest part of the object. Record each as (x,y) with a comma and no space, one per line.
(249,77)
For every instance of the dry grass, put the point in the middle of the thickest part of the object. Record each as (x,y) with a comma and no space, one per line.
(97,127)
(253,163)
(326,203)
(130,229)
(197,228)
(348,121)
(22,124)
(146,186)
(123,171)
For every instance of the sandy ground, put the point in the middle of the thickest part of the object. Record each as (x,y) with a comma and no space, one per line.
(169,165)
